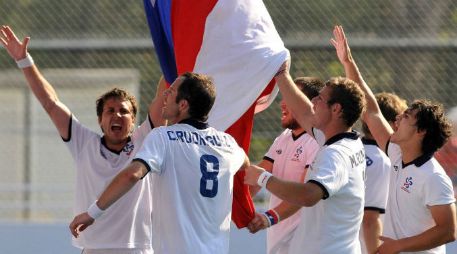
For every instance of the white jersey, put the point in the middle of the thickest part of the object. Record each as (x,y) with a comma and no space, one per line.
(332,225)
(377,180)
(413,188)
(290,157)
(193,167)
(127,223)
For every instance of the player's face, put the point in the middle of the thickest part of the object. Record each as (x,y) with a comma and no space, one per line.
(287,118)
(117,121)
(322,110)
(170,109)
(406,128)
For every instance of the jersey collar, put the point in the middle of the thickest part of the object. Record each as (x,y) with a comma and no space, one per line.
(111,150)
(195,123)
(350,135)
(419,161)
(367,141)
(298,136)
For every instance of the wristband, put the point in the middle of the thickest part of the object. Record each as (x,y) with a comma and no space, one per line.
(94,211)
(272,217)
(263,179)
(275,214)
(268,219)
(25,62)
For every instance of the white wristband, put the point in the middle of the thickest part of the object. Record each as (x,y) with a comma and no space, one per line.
(94,211)
(25,62)
(263,179)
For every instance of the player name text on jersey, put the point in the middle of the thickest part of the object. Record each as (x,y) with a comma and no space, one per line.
(195,138)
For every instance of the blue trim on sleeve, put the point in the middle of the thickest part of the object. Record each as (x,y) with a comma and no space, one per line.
(377,209)
(145,164)
(268,159)
(326,195)
(69,130)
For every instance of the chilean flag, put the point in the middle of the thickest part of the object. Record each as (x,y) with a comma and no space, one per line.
(234,42)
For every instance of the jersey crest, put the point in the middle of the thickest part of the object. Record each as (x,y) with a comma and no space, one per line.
(407,184)
(296,156)
(128,148)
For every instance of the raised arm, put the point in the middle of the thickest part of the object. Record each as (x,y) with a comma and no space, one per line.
(43,91)
(155,108)
(378,125)
(120,185)
(296,101)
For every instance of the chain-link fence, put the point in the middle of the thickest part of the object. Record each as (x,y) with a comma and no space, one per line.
(402,46)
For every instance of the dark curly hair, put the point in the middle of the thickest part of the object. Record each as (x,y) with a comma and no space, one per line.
(430,117)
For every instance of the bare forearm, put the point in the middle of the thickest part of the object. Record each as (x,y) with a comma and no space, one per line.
(353,73)
(378,125)
(40,87)
(120,185)
(371,233)
(299,104)
(47,96)
(295,193)
(429,239)
(286,209)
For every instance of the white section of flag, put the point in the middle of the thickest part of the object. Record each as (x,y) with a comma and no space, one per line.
(242,51)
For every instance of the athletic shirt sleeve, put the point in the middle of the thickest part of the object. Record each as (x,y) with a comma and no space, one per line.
(438,190)
(271,154)
(377,180)
(153,150)
(328,171)
(394,153)
(240,156)
(79,136)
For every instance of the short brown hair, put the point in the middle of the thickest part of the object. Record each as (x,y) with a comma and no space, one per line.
(349,95)
(116,93)
(390,105)
(199,91)
(430,117)
(310,86)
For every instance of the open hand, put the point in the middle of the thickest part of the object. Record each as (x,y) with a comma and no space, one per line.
(341,45)
(16,49)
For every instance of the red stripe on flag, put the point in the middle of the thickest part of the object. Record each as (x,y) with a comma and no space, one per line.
(188,25)
(242,207)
